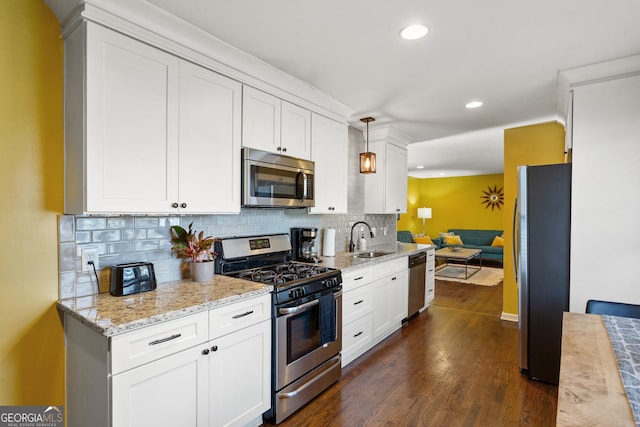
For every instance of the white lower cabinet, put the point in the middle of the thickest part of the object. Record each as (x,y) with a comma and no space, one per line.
(240,376)
(199,370)
(169,392)
(374,305)
(430,278)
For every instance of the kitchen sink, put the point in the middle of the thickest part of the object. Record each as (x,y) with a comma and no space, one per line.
(371,254)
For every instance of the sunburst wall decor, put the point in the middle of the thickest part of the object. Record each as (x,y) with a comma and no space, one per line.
(493,198)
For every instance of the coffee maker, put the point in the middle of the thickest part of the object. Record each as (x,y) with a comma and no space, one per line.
(303,245)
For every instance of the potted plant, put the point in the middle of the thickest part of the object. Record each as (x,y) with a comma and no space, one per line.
(189,244)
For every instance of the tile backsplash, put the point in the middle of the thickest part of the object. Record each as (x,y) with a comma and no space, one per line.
(122,239)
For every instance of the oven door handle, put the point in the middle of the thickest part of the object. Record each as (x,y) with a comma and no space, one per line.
(334,361)
(299,307)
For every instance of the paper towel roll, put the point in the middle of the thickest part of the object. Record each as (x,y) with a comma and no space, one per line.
(329,243)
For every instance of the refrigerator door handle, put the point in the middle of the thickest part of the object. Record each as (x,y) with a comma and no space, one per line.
(514,249)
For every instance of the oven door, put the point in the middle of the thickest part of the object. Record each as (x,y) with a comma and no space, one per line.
(298,347)
(271,180)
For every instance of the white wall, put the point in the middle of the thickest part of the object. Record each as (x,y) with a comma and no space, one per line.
(605,242)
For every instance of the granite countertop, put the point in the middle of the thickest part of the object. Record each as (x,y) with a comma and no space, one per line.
(346,262)
(109,315)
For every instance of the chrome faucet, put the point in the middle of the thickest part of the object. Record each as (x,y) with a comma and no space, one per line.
(352,246)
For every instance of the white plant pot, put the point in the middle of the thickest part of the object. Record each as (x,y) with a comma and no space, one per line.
(202,271)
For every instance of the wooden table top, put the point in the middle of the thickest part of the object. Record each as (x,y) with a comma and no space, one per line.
(590,392)
(462,253)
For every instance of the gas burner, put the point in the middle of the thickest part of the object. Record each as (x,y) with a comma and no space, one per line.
(284,278)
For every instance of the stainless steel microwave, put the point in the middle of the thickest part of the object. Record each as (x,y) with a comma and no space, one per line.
(272,180)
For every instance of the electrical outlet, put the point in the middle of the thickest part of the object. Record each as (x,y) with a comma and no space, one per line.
(89,254)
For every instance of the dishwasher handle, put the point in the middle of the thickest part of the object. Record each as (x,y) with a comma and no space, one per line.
(417,259)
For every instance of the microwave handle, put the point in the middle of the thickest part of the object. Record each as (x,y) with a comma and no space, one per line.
(301,186)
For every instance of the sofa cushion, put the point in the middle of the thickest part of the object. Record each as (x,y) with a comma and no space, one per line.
(404,236)
(453,240)
(476,237)
(498,242)
(426,240)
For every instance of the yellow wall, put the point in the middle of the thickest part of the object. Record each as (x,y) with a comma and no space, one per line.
(454,202)
(529,145)
(31,190)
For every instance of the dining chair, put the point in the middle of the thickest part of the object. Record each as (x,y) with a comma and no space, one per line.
(613,308)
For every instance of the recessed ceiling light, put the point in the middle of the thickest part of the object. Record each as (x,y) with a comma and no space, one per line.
(474,104)
(442,174)
(413,32)
(419,167)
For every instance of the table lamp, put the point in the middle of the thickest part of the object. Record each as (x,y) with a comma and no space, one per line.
(424,213)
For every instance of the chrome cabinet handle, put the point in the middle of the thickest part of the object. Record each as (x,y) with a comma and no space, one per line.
(237,316)
(161,340)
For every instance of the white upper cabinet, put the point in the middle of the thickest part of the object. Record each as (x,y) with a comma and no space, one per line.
(330,152)
(274,125)
(160,135)
(296,131)
(210,138)
(261,114)
(386,190)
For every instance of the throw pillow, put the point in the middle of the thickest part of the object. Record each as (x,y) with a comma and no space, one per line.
(453,240)
(498,242)
(426,240)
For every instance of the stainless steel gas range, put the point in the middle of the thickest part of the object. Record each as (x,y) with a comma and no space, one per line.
(307,316)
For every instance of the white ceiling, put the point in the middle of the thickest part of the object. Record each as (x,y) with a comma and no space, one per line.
(504,52)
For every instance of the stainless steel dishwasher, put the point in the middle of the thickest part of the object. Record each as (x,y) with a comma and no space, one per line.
(417,274)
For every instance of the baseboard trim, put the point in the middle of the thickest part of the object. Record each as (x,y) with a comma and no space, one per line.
(509,317)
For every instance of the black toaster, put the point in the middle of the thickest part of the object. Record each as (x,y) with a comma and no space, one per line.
(133,278)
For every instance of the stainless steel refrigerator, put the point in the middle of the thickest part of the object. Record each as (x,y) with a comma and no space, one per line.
(542,238)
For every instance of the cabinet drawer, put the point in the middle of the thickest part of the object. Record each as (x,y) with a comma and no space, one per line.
(233,317)
(391,267)
(357,303)
(358,278)
(153,342)
(431,259)
(357,336)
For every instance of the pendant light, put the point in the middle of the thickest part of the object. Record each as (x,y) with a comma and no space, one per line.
(367,159)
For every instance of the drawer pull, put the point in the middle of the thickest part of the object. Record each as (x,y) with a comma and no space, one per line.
(359,278)
(237,316)
(358,334)
(161,340)
(393,278)
(358,302)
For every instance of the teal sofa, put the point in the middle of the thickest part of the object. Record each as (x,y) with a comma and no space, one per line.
(477,239)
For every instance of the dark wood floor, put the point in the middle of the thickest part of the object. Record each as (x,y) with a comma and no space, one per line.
(454,365)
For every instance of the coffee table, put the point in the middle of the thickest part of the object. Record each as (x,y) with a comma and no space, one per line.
(462,255)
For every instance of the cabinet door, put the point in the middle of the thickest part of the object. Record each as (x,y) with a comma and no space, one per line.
(131,125)
(170,392)
(261,114)
(329,151)
(240,375)
(381,308)
(210,126)
(396,180)
(399,298)
(375,183)
(296,131)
